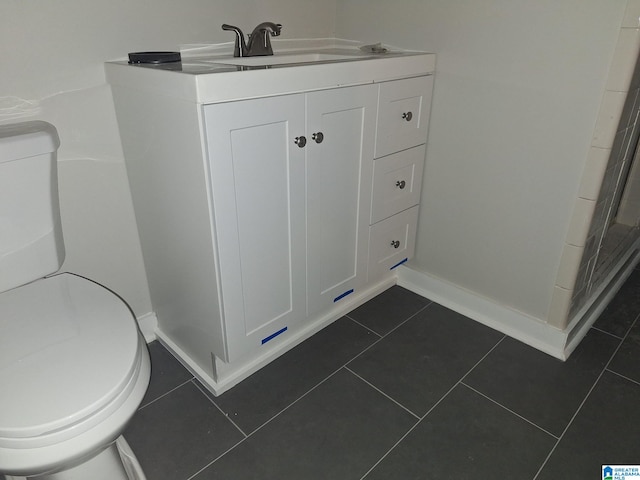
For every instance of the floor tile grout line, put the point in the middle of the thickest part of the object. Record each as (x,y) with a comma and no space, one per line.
(419,311)
(546,460)
(623,376)
(382,393)
(363,325)
(197,384)
(407,319)
(386,334)
(584,400)
(605,332)
(382,337)
(267,422)
(217,458)
(509,410)
(432,408)
(624,337)
(393,447)
(633,324)
(296,401)
(165,394)
(482,359)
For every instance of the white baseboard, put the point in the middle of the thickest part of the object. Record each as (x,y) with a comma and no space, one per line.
(516,324)
(527,329)
(148,324)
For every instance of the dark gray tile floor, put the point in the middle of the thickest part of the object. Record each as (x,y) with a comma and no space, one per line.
(403,388)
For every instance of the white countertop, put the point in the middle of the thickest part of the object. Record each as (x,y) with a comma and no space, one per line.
(203,77)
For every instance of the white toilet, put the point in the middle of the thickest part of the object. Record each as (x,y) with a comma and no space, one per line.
(73,365)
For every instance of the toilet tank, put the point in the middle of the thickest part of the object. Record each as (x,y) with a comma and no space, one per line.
(31,244)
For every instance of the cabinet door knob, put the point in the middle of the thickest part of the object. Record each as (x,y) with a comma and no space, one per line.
(395,243)
(401,184)
(318,137)
(407,116)
(301,141)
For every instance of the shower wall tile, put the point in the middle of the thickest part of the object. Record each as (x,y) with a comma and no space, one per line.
(630,204)
(609,189)
(569,266)
(559,308)
(608,184)
(586,268)
(635,81)
(608,118)
(599,219)
(624,138)
(621,70)
(629,113)
(590,253)
(581,284)
(578,299)
(593,174)
(614,132)
(580,222)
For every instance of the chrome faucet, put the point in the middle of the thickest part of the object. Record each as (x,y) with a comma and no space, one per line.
(259,40)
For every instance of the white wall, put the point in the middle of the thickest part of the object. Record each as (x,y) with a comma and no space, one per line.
(52,55)
(518,86)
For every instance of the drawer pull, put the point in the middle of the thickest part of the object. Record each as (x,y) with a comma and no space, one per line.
(301,141)
(401,184)
(318,137)
(407,116)
(395,243)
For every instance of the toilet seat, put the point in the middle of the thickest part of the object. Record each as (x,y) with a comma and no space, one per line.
(68,360)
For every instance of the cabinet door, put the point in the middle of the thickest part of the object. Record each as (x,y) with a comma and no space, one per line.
(404,114)
(257,177)
(339,177)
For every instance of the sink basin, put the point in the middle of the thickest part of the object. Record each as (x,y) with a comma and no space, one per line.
(288,59)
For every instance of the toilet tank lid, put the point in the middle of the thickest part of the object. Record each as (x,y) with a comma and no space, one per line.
(27,139)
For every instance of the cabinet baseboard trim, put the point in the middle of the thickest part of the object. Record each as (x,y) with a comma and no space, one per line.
(230,374)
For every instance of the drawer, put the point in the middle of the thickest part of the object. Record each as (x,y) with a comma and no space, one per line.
(403,114)
(392,242)
(397,180)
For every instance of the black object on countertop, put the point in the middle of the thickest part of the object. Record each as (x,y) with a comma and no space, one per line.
(154,57)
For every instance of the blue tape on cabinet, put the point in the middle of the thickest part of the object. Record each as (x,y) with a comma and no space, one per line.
(399,263)
(274,335)
(340,297)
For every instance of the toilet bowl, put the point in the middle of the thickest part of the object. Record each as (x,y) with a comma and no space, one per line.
(73,364)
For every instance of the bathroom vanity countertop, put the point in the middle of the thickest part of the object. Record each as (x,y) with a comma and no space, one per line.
(206,78)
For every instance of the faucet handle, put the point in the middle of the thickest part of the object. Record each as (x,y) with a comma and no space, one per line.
(240,46)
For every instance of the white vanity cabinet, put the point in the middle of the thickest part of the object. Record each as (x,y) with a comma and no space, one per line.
(291,182)
(270,201)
